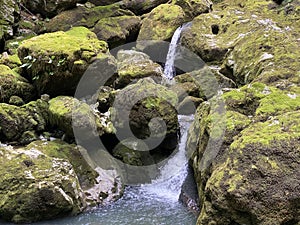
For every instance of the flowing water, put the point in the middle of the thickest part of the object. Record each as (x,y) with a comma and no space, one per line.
(169,70)
(149,204)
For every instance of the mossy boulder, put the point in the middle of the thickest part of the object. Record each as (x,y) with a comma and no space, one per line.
(117,30)
(255,126)
(253,176)
(133,65)
(16,100)
(55,62)
(49,8)
(12,61)
(15,121)
(148,110)
(37,187)
(12,84)
(59,149)
(140,7)
(100,185)
(262,101)
(84,16)
(160,24)
(194,8)
(67,113)
(10,15)
(212,35)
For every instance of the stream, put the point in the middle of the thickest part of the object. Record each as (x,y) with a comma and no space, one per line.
(149,204)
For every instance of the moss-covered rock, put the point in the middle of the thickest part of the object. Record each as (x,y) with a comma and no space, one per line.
(12,84)
(140,7)
(49,8)
(160,24)
(16,100)
(100,185)
(15,121)
(232,26)
(36,187)
(12,61)
(10,15)
(133,65)
(56,61)
(148,110)
(253,176)
(243,150)
(67,113)
(83,16)
(194,8)
(59,149)
(117,30)
(259,124)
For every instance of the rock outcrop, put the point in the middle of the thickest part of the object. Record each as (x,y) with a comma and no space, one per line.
(55,62)
(245,160)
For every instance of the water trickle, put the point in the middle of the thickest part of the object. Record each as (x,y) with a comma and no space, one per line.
(169,70)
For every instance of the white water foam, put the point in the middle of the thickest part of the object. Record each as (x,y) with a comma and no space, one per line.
(166,186)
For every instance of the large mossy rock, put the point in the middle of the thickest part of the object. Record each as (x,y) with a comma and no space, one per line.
(9,17)
(244,156)
(246,159)
(49,8)
(36,187)
(56,61)
(140,7)
(67,113)
(18,122)
(194,8)
(118,30)
(59,149)
(148,110)
(83,16)
(133,65)
(12,84)
(212,35)
(100,184)
(160,24)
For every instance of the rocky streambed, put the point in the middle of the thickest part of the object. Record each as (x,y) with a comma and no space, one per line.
(67,83)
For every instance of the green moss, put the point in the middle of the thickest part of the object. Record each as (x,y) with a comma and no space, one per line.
(234,180)
(161,23)
(236,121)
(278,102)
(78,38)
(12,84)
(283,127)
(217,177)
(272,163)
(62,150)
(11,61)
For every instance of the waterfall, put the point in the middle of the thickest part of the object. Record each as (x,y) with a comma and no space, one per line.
(169,70)
(172,174)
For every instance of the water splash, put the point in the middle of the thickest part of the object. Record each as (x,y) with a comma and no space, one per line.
(166,186)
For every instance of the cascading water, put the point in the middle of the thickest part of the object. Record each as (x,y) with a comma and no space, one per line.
(169,70)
